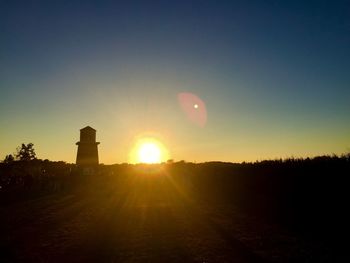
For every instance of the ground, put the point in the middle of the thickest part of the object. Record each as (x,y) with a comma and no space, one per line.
(97,226)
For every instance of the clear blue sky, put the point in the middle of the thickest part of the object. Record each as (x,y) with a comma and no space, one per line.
(274,76)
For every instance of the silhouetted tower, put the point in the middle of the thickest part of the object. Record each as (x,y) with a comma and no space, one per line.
(87,147)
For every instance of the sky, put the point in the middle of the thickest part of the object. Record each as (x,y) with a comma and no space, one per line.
(272,76)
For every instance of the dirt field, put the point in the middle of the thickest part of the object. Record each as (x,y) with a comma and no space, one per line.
(130,227)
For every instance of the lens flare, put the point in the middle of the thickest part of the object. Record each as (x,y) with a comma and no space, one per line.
(194,108)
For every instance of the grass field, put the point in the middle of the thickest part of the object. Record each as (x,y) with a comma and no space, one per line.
(147,219)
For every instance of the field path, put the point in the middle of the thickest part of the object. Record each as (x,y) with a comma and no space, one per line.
(128,228)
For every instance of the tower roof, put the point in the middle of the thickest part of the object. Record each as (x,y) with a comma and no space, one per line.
(87,128)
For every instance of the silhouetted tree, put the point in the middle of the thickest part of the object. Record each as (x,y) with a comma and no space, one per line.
(26,152)
(9,158)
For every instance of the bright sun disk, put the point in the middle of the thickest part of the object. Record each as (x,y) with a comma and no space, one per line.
(149,150)
(149,153)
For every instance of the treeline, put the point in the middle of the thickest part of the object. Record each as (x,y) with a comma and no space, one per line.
(266,174)
(269,177)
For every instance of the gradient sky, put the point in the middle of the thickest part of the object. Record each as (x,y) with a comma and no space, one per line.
(274,76)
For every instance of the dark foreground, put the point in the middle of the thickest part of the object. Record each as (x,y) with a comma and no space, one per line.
(179,214)
(124,229)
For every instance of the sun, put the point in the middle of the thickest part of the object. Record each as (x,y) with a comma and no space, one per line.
(149,153)
(148,150)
